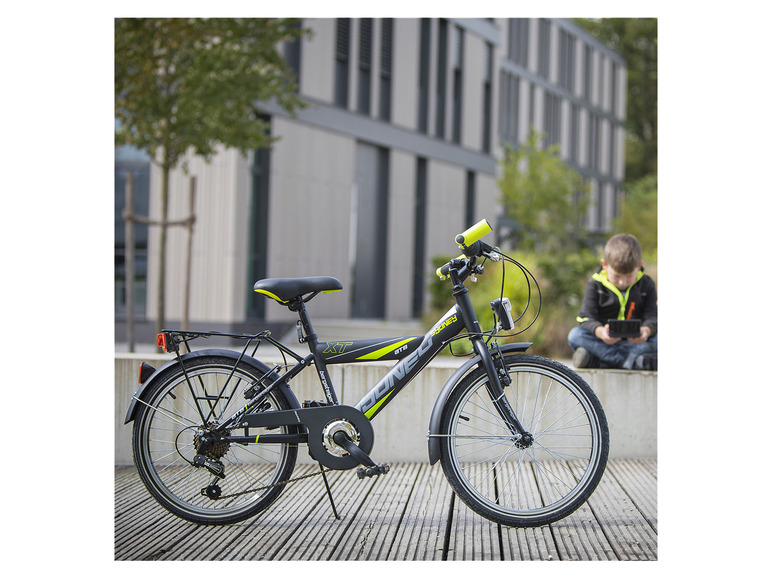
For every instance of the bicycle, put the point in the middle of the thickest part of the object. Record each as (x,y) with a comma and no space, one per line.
(522,439)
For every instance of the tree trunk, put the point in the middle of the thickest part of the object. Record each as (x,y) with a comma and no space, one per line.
(129,280)
(189,256)
(160,320)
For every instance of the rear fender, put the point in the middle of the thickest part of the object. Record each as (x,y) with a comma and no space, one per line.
(453,381)
(147,385)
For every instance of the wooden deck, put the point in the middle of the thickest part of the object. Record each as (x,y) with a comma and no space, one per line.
(410,514)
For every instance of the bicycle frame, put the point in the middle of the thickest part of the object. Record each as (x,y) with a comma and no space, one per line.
(412,353)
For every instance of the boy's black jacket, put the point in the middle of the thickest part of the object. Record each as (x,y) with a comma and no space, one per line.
(603,302)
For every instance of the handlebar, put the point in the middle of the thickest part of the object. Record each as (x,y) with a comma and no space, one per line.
(474,233)
(469,242)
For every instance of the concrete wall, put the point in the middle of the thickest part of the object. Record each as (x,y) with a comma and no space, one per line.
(628,398)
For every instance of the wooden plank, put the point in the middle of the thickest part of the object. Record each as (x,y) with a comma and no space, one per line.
(140,522)
(372,532)
(638,479)
(421,536)
(276,527)
(400,516)
(472,537)
(529,544)
(575,538)
(628,533)
(580,537)
(320,536)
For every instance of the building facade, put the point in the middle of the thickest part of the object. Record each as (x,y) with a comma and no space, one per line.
(397,151)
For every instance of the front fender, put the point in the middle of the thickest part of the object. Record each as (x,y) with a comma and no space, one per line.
(145,388)
(458,375)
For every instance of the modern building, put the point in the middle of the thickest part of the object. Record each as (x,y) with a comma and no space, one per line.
(397,151)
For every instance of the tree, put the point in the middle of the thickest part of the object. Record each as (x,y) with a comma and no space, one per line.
(547,200)
(542,195)
(193,84)
(636,40)
(638,215)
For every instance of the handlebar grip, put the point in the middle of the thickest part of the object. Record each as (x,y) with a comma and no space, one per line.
(474,233)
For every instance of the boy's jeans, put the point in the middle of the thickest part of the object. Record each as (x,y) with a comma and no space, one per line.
(619,355)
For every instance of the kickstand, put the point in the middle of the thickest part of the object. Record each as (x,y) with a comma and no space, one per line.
(329,494)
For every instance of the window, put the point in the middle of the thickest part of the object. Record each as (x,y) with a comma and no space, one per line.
(423,76)
(552,106)
(470,199)
(387,41)
(442,63)
(613,104)
(292,54)
(342,54)
(510,98)
(258,231)
(130,160)
(601,89)
(587,88)
(566,62)
(457,61)
(419,237)
(365,64)
(518,41)
(544,48)
(593,141)
(487,96)
(573,152)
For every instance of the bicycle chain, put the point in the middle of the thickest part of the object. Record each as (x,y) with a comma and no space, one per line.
(278,484)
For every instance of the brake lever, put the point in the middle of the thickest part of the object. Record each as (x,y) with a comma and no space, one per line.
(494,254)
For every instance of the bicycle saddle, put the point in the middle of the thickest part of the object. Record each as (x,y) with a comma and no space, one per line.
(284,290)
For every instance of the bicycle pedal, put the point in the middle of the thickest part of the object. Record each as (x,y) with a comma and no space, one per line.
(371,471)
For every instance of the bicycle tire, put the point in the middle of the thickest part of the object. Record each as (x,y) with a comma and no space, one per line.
(537,485)
(170,423)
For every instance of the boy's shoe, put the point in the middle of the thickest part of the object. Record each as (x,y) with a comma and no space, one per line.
(646,362)
(582,358)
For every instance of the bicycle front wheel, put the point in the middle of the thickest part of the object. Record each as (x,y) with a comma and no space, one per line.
(180,419)
(525,484)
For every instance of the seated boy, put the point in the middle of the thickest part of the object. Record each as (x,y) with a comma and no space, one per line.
(618,290)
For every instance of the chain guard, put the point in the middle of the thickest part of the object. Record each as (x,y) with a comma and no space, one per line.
(315,420)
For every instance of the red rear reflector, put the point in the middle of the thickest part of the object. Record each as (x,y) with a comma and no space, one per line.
(160,339)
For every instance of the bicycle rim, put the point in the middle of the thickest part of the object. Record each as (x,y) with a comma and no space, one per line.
(169,428)
(540,483)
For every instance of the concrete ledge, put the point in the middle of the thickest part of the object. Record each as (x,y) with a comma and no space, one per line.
(629,399)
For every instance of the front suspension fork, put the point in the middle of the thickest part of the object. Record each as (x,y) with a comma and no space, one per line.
(496,391)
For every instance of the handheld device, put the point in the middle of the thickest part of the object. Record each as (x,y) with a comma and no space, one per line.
(624,328)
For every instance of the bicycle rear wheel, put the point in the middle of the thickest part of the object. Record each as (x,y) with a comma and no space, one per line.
(516,484)
(180,412)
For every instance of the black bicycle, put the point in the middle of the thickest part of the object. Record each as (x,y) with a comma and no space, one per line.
(522,439)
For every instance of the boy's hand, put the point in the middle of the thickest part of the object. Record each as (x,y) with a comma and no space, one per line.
(645,335)
(602,333)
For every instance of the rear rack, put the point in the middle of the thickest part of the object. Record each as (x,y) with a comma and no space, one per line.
(171,340)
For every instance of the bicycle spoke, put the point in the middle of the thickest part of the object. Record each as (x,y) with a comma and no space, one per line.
(523,481)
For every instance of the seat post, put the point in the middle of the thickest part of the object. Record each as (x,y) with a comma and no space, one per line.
(299,306)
